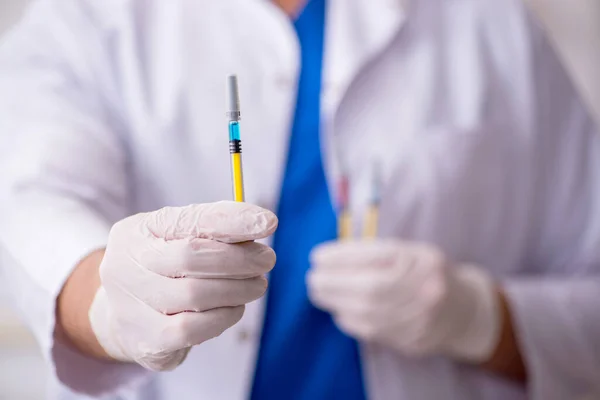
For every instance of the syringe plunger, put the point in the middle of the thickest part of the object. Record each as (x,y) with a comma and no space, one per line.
(233,98)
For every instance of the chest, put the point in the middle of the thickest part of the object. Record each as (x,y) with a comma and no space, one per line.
(416,98)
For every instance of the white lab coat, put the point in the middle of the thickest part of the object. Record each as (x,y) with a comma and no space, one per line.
(115,107)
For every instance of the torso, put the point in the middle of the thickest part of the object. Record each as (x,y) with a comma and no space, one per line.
(440,100)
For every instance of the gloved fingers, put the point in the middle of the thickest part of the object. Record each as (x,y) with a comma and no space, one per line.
(410,340)
(175,295)
(204,258)
(358,302)
(372,310)
(333,288)
(353,254)
(162,362)
(369,321)
(382,253)
(160,342)
(355,327)
(188,294)
(190,328)
(345,304)
(225,221)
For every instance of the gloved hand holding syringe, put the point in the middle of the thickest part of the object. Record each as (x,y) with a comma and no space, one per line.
(402,294)
(176,277)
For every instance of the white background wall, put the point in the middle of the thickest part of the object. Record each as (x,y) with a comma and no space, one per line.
(22,370)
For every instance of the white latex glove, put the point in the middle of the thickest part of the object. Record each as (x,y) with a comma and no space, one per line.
(408,297)
(176,277)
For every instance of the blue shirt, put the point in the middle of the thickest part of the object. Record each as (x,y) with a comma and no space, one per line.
(302,354)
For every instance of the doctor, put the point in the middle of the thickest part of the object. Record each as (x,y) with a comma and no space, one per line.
(484,284)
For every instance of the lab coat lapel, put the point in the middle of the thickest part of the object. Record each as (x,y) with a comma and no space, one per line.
(357,31)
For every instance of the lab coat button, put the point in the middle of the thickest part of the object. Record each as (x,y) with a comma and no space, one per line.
(283,82)
(243,335)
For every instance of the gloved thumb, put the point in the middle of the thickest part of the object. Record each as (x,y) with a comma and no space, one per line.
(225,221)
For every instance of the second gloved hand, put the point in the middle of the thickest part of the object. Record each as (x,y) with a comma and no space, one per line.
(407,296)
(179,276)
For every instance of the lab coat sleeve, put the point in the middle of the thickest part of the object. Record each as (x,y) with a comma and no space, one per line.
(556,311)
(63,179)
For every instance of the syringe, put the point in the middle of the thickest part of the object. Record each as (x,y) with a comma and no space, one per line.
(235,143)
